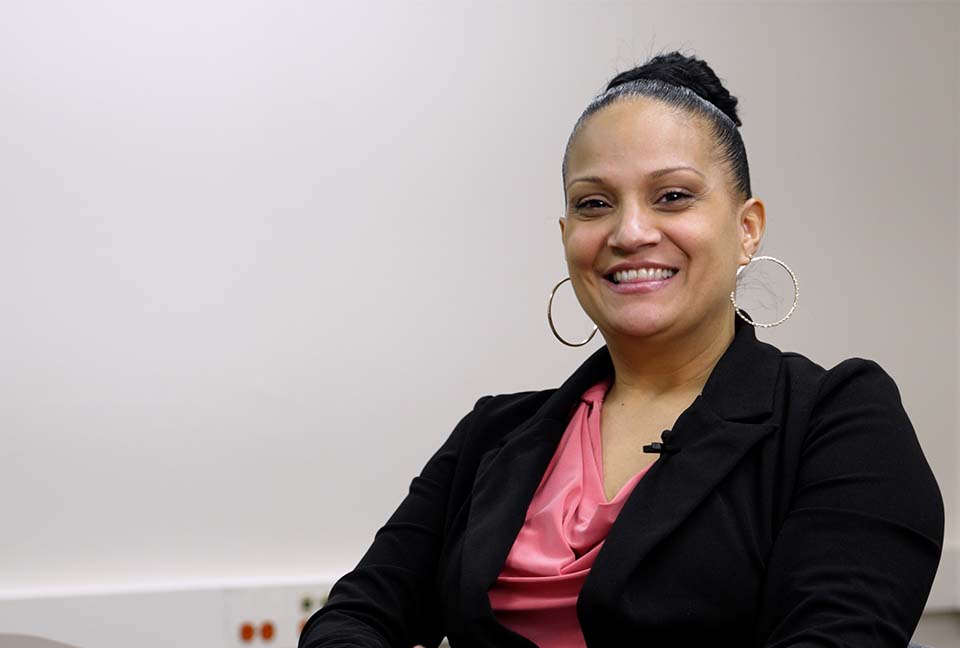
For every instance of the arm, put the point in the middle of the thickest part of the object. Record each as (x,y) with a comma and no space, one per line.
(855,558)
(390,598)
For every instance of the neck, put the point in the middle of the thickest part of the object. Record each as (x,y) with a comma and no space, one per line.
(662,367)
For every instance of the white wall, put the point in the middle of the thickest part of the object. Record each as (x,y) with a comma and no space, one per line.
(257,258)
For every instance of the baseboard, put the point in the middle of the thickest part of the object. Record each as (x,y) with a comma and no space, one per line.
(206,614)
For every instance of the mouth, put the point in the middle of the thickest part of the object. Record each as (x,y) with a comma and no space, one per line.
(640,275)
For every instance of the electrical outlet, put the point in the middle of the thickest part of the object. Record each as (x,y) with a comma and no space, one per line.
(269,617)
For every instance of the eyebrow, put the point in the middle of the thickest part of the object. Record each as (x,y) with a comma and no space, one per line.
(653,174)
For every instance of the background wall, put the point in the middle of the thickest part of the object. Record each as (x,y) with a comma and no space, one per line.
(257,258)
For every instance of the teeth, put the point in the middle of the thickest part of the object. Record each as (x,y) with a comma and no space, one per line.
(643,274)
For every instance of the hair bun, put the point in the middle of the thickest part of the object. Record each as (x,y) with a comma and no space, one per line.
(685,71)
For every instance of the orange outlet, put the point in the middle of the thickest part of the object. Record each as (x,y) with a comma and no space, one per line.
(246,632)
(266,630)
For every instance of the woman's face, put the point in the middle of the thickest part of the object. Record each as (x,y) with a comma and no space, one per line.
(629,205)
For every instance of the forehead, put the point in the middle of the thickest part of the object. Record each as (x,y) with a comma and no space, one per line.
(638,135)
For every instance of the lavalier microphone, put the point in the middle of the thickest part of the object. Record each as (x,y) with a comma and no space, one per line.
(664,447)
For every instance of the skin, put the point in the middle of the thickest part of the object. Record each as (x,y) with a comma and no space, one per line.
(663,344)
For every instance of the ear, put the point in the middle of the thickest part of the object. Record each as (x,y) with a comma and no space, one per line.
(752,222)
(563,222)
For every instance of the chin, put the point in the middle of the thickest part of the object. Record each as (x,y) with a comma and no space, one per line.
(640,326)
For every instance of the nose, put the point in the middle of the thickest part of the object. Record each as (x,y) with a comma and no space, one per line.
(634,228)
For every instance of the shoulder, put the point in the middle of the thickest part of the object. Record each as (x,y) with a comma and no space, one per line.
(852,377)
(495,416)
(858,374)
(857,433)
(510,409)
(488,424)
(855,405)
(858,399)
(856,382)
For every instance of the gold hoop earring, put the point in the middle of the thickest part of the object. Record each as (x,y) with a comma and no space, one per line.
(550,318)
(796,292)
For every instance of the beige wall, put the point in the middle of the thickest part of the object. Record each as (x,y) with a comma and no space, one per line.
(258,258)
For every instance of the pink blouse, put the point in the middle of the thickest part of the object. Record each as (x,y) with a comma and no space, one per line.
(568,519)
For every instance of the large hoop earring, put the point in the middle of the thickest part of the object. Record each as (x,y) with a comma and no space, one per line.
(550,318)
(796,292)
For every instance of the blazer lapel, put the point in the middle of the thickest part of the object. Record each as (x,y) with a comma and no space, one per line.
(721,425)
(506,478)
(724,422)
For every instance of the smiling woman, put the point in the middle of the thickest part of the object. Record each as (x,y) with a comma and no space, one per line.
(646,195)
(688,484)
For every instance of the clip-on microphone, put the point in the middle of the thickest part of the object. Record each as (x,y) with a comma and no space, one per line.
(662,448)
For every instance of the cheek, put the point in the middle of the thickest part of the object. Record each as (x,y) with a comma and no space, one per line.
(582,245)
(701,240)
(696,247)
(710,255)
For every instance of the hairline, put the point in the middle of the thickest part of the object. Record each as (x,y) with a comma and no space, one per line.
(601,102)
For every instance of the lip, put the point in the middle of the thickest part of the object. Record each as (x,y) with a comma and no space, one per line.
(637,287)
(636,265)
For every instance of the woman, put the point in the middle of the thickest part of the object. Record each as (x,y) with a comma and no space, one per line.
(688,485)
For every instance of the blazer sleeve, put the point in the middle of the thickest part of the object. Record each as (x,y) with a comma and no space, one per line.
(854,560)
(390,598)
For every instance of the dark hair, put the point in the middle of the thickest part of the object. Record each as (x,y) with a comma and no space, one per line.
(691,85)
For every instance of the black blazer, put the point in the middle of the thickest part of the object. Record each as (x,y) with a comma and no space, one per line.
(800,511)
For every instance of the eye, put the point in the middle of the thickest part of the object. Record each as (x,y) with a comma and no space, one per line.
(590,203)
(682,196)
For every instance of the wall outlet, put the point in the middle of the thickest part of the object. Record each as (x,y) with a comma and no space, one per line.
(269,616)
